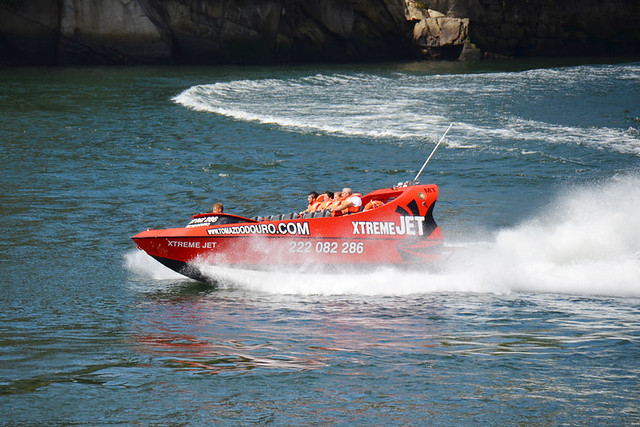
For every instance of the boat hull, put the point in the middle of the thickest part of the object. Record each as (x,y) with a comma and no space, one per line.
(400,232)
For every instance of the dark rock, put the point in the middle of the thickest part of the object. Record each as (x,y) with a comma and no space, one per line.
(49,32)
(29,32)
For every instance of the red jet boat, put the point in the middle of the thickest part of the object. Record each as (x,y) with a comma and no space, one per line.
(400,231)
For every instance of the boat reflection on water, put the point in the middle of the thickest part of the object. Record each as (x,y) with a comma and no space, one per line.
(222,331)
(191,332)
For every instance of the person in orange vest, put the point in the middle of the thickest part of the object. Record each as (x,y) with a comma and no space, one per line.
(311,198)
(350,203)
(337,199)
(327,201)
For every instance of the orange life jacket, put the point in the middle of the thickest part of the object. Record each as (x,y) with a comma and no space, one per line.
(326,204)
(335,203)
(315,205)
(373,204)
(352,209)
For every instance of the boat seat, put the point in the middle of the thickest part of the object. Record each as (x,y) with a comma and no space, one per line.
(289,215)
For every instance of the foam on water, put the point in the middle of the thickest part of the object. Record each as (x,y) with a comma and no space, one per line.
(343,105)
(413,107)
(585,243)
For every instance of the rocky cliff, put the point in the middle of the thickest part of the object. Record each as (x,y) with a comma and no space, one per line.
(523,28)
(49,32)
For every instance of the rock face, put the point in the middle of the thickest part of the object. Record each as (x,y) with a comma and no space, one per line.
(233,31)
(202,31)
(522,28)
(110,31)
(49,32)
(437,35)
(29,32)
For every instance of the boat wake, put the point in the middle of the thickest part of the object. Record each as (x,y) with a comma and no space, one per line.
(407,107)
(585,243)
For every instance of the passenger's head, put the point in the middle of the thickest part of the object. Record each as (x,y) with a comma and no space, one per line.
(312,196)
(329,194)
(217,208)
(346,191)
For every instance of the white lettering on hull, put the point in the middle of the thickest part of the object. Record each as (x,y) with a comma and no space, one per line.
(190,245)
(280,228)
(409,226)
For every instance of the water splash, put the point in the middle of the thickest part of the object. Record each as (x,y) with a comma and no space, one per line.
(587,242)
(142,265)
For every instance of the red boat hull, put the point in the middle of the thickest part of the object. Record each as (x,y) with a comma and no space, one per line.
(400,232)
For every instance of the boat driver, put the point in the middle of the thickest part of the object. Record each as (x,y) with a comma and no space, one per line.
(217,208)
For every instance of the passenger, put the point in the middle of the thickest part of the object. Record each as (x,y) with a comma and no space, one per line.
(319,202)
(217,208)
(335,200)
(327,201)
(350,203)
(311,198)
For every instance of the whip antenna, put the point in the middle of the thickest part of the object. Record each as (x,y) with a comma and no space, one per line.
(434,150)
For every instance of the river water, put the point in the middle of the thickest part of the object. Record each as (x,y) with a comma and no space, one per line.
(535,318)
